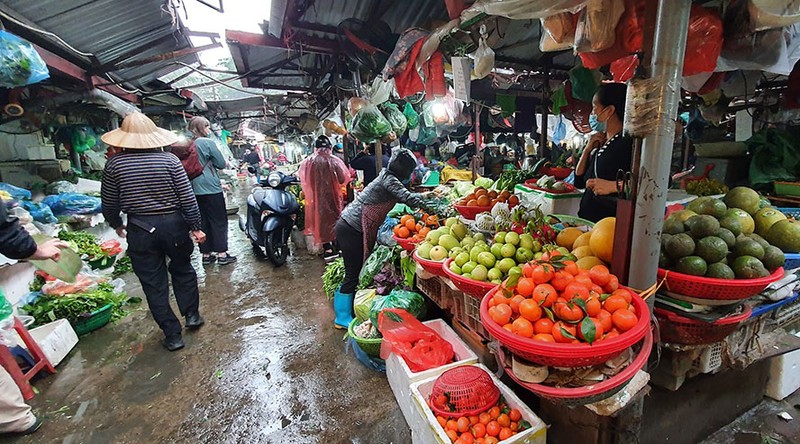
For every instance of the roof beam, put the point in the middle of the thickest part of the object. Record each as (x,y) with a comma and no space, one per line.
(309,44)
(308,26)
(161,57)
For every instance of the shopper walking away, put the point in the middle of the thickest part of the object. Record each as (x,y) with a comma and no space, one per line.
(357,228)
(321,177)
(252,159)
(210,198)
(152,188)
(16,416)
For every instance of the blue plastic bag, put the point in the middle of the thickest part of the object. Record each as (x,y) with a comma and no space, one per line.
(73,203)
(39,213)
(16,193)
(385,232)
(20,64)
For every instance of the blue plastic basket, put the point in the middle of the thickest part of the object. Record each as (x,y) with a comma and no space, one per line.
(764,308)
(791,212)
(792,261)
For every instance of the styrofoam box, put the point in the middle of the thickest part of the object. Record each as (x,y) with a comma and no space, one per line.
(401,377)
(550,203)
(784,375)
(56,339)
(433,433)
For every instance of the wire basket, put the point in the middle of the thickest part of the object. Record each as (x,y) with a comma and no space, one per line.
(96,319)
(591,393)
(568,355)
(432,267)
(407,244)
(371,347)
(476,289)
(466,391)
(677,329)
(717,289)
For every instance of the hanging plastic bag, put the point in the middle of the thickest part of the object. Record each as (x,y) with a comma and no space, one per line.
(83,139)
(769,14)
(370,125)
(363,303)
(411,116)
(407,300)
(703,42)
(597,24)
(73,203)
(427,135)
(355,104)
(60,186)
(421,347)
(624,68)
(385,232)
(559,32)
(381,90)
(20,64)
(484,57)
(522,9)
(395,117)
(584,83)
(629,37)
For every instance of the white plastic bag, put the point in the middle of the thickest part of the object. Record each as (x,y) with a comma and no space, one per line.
(558,32)
(597,25)
(522,9)
(768,14)
(381,90)
(484,57)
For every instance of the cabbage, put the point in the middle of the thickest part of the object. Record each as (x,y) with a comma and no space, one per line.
(484,182)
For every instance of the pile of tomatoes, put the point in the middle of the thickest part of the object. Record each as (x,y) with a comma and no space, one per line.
(490,427)
(481,197)
(558,302)
(416,228)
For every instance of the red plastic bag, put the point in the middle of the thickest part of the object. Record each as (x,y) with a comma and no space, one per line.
(629,37)
(703,42)
(623,69)
(421,347)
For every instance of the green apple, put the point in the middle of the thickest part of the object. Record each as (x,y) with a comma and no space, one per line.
(487,259)
(480,273)
(450,221)
(515,270)
(438,253)
(455,268)
(497,250)
(523,255)
(512,238)
(506,264)
(537,255)
(461,259)
(526,241)
(494,274)
(474,252)
(479,237)
(468,267)
(468,242)
(500,237)
(537,246)
(508,250)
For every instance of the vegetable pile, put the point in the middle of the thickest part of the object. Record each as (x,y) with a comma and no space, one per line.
(122,266)
(74,307)
(82,242)
(508,179)
(332,277)
(490,427)
(706,187)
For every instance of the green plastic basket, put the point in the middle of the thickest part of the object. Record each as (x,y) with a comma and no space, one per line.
(372,347)
(96,319)
(102,263)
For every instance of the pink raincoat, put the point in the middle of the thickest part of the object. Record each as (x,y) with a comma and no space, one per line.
(321,176)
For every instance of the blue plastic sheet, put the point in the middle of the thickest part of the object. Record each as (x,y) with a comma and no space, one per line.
(16,193)
(39,213)
(20,64)
(376,364)
(68,204)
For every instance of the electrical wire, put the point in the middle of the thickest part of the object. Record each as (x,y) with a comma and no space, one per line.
(47,33)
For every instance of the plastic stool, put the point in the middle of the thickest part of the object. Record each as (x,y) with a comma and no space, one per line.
(8,361)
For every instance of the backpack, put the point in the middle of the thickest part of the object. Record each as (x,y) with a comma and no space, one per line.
(189,159)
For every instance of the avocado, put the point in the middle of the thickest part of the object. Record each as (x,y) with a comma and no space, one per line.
(749,247)
(711,249)
(709,206)
(664,261)
(732,224)
(703,225)
(672,225)
(694,265)
(726,235)
(773,258)
(758,239)
(748,267)
(720,271)
(680,245)
(665,237)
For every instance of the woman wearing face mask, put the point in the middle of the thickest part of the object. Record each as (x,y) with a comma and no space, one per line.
(607,152)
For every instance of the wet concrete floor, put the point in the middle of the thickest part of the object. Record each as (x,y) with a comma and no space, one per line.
(266,368)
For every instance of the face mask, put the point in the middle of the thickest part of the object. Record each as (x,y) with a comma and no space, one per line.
(595,124)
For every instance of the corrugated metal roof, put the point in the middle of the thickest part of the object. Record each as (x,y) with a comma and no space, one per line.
(109,29)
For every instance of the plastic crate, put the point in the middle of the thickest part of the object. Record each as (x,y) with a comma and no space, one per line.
(787,188)
(790,212)
(96,319)
(432,433)
(432,288)
(710,359)
(549,203)
(401,377)
(792,261)
(472,316)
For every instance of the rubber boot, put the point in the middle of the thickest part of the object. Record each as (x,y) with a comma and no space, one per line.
(343,307)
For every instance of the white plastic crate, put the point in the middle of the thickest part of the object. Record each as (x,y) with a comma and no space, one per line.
(401,377)
(784,375)
(549,203)
(472,316)
(56,339)
(433,433)
(710,359)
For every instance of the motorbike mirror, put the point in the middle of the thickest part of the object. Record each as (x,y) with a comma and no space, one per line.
(251,169)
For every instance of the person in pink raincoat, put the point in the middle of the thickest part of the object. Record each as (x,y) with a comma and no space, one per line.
(321,176)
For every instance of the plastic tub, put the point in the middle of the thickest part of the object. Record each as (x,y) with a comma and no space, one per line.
(432,267)
(96,319)
(717,289)
(371,347)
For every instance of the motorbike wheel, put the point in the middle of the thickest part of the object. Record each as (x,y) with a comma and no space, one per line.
(258,250)
(277,248)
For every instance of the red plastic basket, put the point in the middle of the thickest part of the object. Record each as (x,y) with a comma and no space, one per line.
(531,183)
(718,289)
(591,393)
(468,390)
(677,329)
(559,173)
(470,212)
(476,289)
(567,355)
(407,244)
(432,267)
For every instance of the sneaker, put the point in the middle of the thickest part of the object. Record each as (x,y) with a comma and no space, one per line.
(330,255)
(209,259)
(227,259)
(194,321)
(173,342)
(32,429)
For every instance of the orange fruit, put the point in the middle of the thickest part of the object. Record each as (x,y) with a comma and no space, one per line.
(571,267)
(403,233)
(493,428)
(484,418)
(504,420)
(543,273)
(472,203)
(527,270)
(442,421)
(515,415)
(543,326)
(452,434)
(411,224)
(522,327)
(614,303)
(530,310)
(509,328)
(545,295)
(452,425)
(490,440)
(513,200)
(484,201)
(494,412)
(563,332)
(612,285)
(544,337)
(623,319)
(624,293)
(479,430)
(502,314)
(593,307)
(525,286)
(561,279)
(515,301)
(605,319)
(462,425)
(505,433)
(568,311)
(600,275)
(598,330)
(576,290)
(406,218)
(473,420)
(500,298)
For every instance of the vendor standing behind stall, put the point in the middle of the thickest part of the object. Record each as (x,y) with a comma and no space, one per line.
(367,162)
(357,228)
(607,152)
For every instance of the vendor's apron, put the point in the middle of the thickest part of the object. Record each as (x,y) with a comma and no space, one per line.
(372,217)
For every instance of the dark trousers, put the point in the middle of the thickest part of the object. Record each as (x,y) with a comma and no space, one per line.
(351,243)
(149,253)
(215,223)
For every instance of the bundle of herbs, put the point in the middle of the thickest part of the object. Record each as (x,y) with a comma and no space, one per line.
(74,307)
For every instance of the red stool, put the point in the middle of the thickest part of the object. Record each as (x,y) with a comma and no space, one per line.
(41,362)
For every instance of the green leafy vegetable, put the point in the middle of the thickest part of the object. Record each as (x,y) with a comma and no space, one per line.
(86,243)
(332,277)
(74,307)
(122,266)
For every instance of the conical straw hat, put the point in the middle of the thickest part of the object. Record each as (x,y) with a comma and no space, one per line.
(139,132)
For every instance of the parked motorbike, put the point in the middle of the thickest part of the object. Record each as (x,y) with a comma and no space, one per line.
(271,214)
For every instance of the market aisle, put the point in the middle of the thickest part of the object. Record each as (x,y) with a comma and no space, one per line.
(266,368)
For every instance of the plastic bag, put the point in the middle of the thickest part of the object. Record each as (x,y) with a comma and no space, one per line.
(768,14)
(40,213)
(58,287)
(624,68)
(484,59)
(355,104)
(16,193)
(83,139)
(559,32)
(370,125)
(61,186)
(642,106)
(584,83)
(73,203)
(363,303)
(407,300)
(412,118)
(20,64)
(396,118)
(629,37)
(6,309)
(385,232)
(381,90)
(597,24)
(703,42)
(419,345)
(523,9)
(373,265)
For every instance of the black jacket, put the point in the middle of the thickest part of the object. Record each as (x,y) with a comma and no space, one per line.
(15,242)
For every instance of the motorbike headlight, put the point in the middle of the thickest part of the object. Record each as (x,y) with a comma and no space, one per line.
(274,179)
